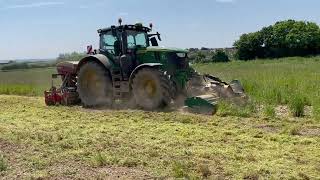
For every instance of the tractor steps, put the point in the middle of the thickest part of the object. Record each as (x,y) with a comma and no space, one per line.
(119,86)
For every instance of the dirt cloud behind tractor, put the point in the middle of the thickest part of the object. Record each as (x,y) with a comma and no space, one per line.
(130,68)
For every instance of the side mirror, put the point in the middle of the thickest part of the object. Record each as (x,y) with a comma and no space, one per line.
(114,32)
(154,41)
(89,49)
(158,35)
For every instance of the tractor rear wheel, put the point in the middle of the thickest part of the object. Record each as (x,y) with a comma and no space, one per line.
(151,89)
(94,85)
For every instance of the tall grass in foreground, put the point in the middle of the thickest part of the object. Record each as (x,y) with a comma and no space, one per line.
(274,82)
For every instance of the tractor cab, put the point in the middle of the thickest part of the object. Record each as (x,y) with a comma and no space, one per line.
(122,43)
(126,39)
(123,39)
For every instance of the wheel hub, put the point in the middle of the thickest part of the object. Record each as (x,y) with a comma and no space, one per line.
(150,88)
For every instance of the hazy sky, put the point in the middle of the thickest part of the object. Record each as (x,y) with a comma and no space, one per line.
(45,28)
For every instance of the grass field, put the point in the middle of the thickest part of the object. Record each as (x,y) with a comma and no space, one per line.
(29,82)
(239,142)
(273,81)
(293,82)
(289,81)
(71,142)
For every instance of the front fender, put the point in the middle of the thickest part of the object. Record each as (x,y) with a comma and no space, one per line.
(141,66)
(98,58)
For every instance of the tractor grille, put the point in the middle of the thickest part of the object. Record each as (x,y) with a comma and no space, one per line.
(178,62)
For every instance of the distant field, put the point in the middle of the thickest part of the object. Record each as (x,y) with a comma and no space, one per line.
(30,82)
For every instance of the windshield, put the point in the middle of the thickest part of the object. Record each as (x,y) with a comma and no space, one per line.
(137,38)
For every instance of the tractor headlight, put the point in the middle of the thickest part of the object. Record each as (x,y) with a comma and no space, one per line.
(181,55)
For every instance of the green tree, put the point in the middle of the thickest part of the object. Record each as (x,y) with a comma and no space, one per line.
(200,57)
(249,46)
(220,56)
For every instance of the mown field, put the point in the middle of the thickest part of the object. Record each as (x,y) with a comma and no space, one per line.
(259,141)
(71,142)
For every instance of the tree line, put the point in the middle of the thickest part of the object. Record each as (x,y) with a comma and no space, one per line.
(283,39)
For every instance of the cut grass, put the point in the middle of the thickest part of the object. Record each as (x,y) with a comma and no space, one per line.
(162,144)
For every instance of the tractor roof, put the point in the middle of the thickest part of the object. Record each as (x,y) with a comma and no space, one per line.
(137,27)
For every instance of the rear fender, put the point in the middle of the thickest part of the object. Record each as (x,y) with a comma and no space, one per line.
(98,58)
(141,66)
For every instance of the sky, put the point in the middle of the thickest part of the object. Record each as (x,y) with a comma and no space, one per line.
(44,28)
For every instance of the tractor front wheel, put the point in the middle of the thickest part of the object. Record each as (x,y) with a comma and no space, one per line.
(94,85)
(151,89)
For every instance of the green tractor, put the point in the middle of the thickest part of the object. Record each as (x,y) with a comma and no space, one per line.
(130,66)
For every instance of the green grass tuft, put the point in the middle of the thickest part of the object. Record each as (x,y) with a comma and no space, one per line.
(99,160)
(226,108)
(316,112)
(180,170)
(296,105)
(3,164)
(269,111)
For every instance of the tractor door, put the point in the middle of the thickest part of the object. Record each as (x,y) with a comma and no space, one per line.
(132,40)
(111,45)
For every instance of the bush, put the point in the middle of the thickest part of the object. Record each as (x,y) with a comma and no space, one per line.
(283,39)
(70,57)
(15,66)
(26,65)
(220,56)
(199,57)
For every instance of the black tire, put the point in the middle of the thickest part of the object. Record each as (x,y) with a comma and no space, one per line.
(151,89)
(94,85)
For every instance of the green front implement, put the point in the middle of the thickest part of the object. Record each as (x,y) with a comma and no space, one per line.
(205,104)
(204,93)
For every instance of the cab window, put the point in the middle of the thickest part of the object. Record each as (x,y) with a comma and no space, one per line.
(136,38)
(110,43)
